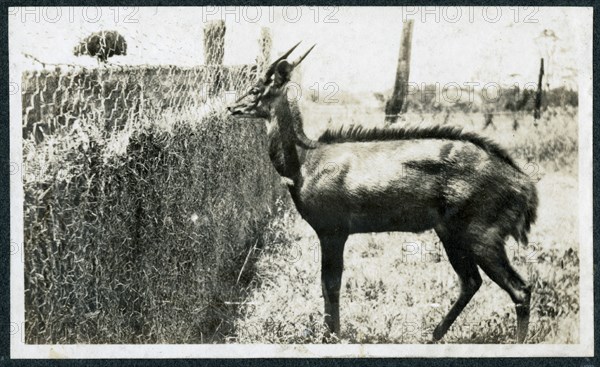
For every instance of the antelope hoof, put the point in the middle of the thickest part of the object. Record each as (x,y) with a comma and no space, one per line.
(438,333)
(522,322)
(330,334)
(521,333)
(330,338)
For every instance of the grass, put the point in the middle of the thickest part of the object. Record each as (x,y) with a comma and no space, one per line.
(396,287)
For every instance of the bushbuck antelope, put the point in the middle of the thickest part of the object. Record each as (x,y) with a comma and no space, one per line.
(356,180)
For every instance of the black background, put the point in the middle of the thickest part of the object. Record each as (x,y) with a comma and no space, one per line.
(379,362)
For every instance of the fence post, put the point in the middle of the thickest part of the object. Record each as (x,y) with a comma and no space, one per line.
(396,102)
(264,44)
(214,42)
(214,51)
(537,111)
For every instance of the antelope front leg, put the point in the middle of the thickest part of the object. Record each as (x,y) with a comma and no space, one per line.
(332,266)
(331,294)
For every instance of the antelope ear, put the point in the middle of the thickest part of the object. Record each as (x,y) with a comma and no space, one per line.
(283,71)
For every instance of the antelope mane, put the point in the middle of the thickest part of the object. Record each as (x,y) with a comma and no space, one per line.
(357,133)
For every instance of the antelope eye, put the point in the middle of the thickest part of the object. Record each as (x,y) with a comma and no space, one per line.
(254,91)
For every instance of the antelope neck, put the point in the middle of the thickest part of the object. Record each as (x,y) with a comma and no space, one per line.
(283,150)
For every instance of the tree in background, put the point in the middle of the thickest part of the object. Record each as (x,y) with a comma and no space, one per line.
(102,45)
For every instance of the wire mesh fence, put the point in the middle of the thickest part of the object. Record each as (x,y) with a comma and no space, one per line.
(110,96)
(136,229)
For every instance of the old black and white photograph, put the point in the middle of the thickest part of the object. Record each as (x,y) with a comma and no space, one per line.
(300,181)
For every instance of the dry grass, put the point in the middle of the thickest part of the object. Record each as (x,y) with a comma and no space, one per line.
(141,236)
(397,287)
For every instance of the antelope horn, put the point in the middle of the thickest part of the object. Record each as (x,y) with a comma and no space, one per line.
(271,68)
(303,56)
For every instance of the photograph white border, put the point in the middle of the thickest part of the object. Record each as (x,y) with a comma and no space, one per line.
(20,350)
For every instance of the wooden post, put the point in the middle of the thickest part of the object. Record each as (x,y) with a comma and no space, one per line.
(264,44)
(395,104)
(537,111)
(214,51)
(214,42)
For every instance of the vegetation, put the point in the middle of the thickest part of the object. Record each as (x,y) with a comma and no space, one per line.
(144,235)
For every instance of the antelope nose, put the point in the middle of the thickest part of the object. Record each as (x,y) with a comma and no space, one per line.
(234,111)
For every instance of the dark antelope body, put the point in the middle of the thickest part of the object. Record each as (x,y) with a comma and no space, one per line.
(357,180)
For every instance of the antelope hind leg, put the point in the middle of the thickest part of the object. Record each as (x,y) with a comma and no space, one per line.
(463,263)
(523,317)
(493,261)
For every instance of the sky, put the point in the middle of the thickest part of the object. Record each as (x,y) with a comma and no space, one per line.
(357,47)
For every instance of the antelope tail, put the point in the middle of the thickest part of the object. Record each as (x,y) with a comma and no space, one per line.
(528,212)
